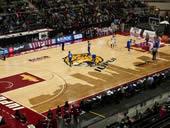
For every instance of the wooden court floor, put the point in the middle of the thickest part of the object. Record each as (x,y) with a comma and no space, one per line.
(63,83)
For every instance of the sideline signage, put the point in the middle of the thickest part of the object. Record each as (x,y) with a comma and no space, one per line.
(135,32)
(43,43)
(39,44)
(69,38)
(152,34)
(64,39)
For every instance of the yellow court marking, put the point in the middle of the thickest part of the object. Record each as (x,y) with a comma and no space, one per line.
(97,114)
(29,78)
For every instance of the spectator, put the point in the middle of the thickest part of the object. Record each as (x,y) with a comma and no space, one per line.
(76,112)
(58,112)
(150,82)
(50,114)
(2,120)
(162,112)
(66,106)
(17,114)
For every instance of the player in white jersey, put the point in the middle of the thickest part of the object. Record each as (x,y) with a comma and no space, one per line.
(113,41)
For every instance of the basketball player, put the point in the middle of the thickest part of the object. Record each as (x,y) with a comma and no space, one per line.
(70,58)
(62,46)
(156,42)
(113,43)
(88,48)
(129,42)
(147,39)
(4,57)
(94,58)
(154,53)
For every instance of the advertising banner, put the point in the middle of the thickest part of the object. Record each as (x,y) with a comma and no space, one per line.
(69,38)
(78,36)
(43,43)
(152,34)
(6,51)
(53,41)
(10,50)
(3,51)
(64,39)
(136,32)
(19,48)
(39,44)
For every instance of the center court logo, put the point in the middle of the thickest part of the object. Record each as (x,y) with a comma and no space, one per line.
(79,59)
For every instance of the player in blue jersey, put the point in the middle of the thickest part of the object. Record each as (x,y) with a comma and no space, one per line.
(129,42)
(156,43)
(94,58)
(155,48)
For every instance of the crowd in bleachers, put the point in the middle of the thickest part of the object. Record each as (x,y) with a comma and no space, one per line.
(83,13)
(67,16)
(16,16)
(154,116)
(92,18)
(125,91)
(94,32)
(69,114)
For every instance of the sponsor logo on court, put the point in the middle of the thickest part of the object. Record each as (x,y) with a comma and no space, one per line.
(104,65)
(79,59)
(38,58)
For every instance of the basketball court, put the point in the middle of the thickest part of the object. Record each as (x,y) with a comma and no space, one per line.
(42,79)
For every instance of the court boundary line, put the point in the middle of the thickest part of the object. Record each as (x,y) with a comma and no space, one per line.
(50,99)
(97,114)
(119,85)
(24,106)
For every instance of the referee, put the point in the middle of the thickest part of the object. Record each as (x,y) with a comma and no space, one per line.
(88,48)
(70,58)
